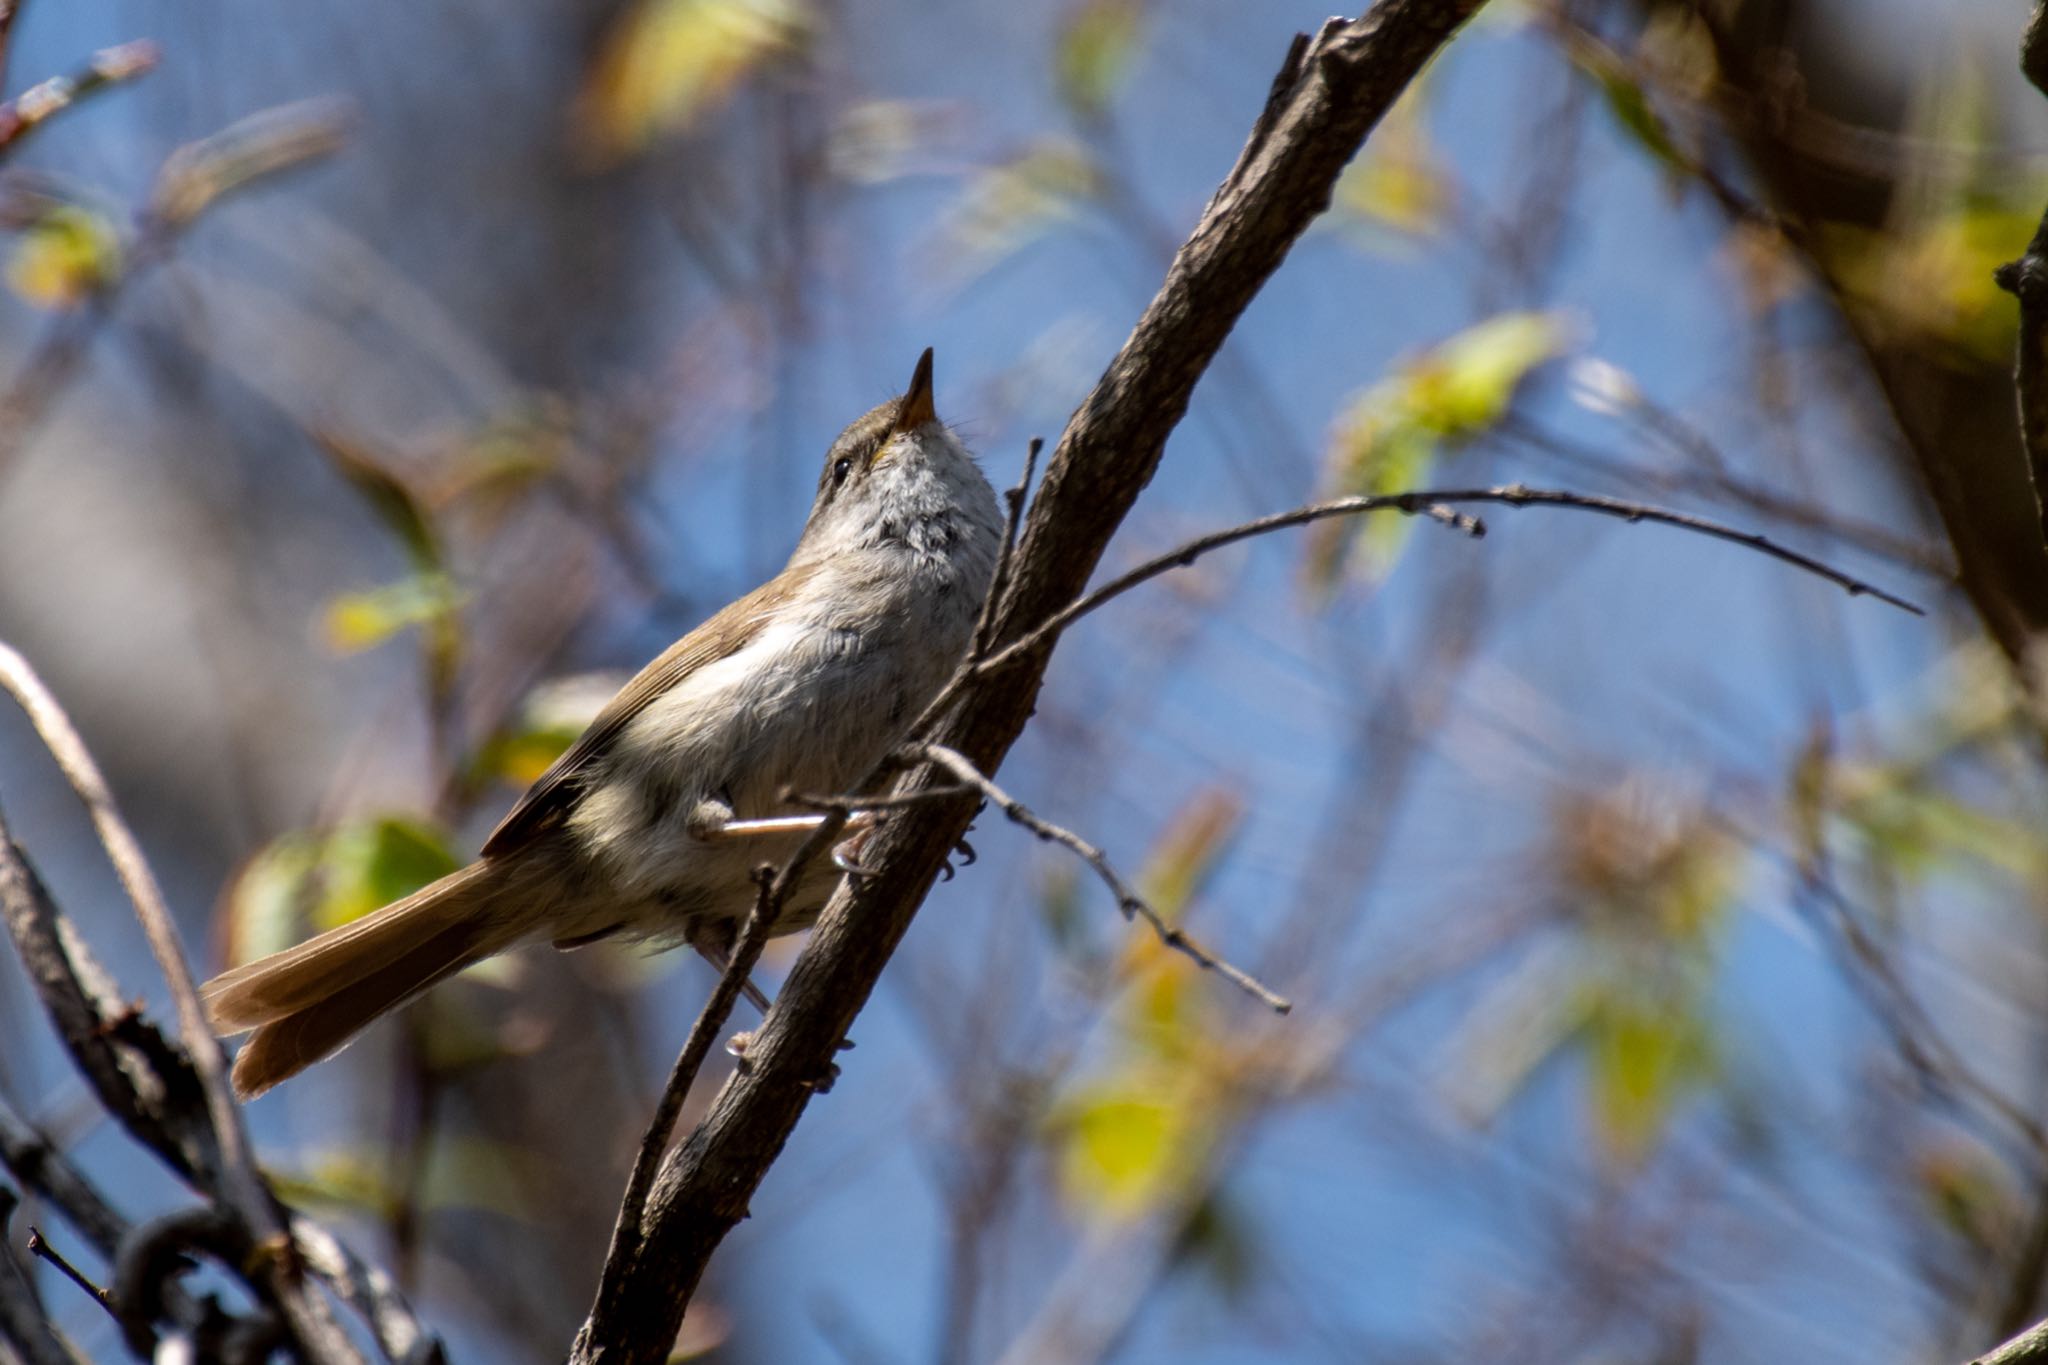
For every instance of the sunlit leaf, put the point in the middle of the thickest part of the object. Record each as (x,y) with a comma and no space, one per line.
(1120,1149)
(1009,205)
(548,722)
(64,257)
(1932,279)
(268,905)
(1644,1055)
(666,63)
(302,882)
(1093,55)
(1398,185)
(357,621)
(1389,437)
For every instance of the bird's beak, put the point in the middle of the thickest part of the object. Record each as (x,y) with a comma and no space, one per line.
(915,410)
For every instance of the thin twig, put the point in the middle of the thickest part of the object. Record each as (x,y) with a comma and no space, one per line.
(628,1232)
(1127,900)
(39,103)
(242,1188)
(1014,498)
(58,734)
(26,1333)
(1411,504)
(39,1246)
(854,805)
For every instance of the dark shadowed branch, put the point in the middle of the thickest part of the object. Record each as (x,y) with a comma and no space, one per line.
(160,1094)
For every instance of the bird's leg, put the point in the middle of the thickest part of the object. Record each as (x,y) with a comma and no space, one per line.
(712,821)
(714,945)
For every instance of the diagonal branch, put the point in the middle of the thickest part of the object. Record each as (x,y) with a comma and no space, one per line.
(242,1185)
(1329,94)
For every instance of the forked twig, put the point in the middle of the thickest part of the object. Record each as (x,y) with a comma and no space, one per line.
(1129,901)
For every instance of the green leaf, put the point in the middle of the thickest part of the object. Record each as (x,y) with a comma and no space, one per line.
(393,501)
(1389,438)
(304,881)
(356,621)
(1094,52)
(1628,101)
(270,901)
(1120,1150)
(666,63)
(1464,386)
(64,257)
(1399,185)
(1644,1055)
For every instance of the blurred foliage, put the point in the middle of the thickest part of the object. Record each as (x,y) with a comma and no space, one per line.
(1399,188)
(666,63)
(1130,1136)
(1097,42)
(64,257)
(304,882)
(1390,437)
(1647,883)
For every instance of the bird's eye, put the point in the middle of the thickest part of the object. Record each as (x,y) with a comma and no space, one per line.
(840,470)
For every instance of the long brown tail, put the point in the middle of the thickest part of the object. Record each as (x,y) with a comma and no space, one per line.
(306,1002)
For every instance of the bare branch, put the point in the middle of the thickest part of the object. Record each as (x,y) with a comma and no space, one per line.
(1014,500)
(1328,96)
(173,1099)
(23,1325)
(39,103)
(39,1246)
(1127,900)
(242,1185)
(2028,1348)
(1422,502)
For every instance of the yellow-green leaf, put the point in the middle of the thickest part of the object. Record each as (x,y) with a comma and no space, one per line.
(390,497)
(305,881)
(64,257)
(668,62)
(356,621)
(1189,850)
(1398,184)
(1096,45)
(1643,1057)
(1120,1149)
(1389,437)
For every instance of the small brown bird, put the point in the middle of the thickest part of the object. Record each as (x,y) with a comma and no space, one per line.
(649,826)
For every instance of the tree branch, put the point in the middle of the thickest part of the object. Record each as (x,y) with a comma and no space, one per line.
(1328,96)
(2028,1348)
(1127,900)
(241,1185)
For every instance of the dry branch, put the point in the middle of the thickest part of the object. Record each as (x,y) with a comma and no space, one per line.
(1327,96)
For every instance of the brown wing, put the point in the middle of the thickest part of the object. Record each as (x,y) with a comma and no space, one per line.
(725,634)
